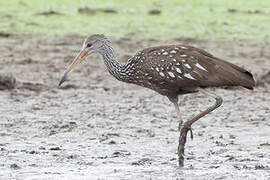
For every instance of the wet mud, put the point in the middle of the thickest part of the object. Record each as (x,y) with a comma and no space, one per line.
(95,127)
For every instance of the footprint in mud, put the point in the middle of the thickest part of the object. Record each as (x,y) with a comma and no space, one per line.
(106,138)
(142,162)
(66,127)
(148,132)
(120,154)
(37,87)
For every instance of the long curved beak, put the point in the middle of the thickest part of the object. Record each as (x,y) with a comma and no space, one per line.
(80,57)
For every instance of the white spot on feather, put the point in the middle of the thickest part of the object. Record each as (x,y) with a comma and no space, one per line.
(165,53)
(183,47)
(171,74)
(187,66)
(178,70)
(183,55)
(200,66)
(157,69)
(162,74)
(189,76)
(173,51)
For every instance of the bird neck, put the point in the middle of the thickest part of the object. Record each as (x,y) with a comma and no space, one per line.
(114,67)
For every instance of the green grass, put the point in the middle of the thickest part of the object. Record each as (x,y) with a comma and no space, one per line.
(203,19)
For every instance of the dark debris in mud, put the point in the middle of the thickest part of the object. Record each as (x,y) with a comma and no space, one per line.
(91,11)
(15,166)
(68,86)
(4,34)
(55,148)
(49,13)
(154,11)
(255,11)
(7,81)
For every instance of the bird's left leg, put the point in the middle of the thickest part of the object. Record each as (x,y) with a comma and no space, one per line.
(180,125)
(176,106)
(174,100)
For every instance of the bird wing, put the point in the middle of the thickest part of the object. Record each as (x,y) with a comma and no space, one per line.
(186,66)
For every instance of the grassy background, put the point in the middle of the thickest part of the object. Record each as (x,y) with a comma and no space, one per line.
(203,19)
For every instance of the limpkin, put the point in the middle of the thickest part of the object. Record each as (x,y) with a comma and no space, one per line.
(170,70)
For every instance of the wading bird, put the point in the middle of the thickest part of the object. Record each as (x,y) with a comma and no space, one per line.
(170,70)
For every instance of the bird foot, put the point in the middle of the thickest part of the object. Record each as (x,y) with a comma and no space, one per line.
(191,133)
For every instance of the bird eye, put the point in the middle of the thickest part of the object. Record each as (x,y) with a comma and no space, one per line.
(88,45)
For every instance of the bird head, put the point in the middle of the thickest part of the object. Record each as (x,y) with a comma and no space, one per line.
(92,44)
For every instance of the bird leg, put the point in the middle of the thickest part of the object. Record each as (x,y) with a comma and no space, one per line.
(176,106)
(187,126)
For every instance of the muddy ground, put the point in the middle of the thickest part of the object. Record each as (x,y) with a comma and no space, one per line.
(95,127)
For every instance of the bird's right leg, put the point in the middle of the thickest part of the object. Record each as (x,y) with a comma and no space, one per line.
(187,126)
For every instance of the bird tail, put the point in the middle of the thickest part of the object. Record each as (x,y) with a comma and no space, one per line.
(238,76)
(250,82)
